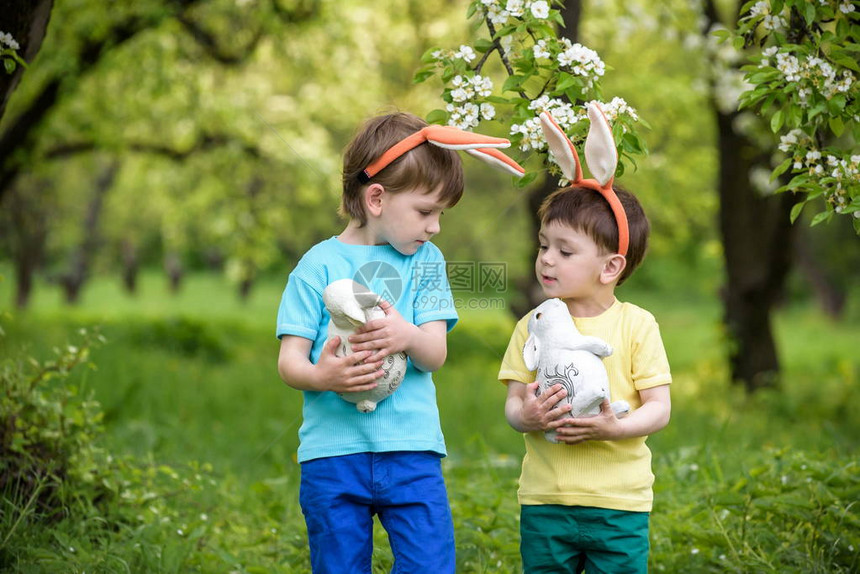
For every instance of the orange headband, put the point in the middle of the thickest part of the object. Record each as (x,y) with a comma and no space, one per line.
(601,157)
(480,146)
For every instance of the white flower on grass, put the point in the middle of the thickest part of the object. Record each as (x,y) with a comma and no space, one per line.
(540,9)
(846,8)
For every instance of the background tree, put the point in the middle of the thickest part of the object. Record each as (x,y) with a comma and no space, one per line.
(755,229)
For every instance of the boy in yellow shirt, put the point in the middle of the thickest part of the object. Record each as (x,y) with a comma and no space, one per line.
(585,501)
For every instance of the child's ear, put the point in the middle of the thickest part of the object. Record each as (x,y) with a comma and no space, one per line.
(612,268)
(373,199)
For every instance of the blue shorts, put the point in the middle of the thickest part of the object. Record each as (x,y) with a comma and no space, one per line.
(339,496)
(573,539)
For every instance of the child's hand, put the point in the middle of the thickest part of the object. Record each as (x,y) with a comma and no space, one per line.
(541,412)
(388,335)
(348,374)
(603,426)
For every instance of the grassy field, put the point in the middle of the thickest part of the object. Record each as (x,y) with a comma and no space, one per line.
(202,436)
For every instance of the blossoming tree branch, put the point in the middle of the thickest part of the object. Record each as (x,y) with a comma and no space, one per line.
(804,80)
(544,72)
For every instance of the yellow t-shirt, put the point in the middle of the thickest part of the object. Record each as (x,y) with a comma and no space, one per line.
(603,474)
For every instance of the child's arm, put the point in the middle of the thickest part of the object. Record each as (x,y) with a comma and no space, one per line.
(652,416)
(527,413)
(330,373)
(426,344)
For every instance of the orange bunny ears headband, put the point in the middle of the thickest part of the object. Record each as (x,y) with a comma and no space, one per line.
(480,146)
(601,158)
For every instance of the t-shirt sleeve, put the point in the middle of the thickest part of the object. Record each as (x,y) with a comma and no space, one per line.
(301,310)
(432,299)
(650,365)
(513,365)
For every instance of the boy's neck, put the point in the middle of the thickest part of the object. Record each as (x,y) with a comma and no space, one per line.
(592,306)
(356,234)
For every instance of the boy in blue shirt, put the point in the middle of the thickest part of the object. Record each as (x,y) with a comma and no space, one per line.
(354,464)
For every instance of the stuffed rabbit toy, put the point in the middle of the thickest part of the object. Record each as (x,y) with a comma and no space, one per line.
(560,354)
(351,305)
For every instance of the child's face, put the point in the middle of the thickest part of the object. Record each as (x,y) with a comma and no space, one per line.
(409,219)
(569,262)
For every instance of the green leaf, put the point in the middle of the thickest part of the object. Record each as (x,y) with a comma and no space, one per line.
(821,217)
(513,83)
(776,121)
(836,125)
(437,117)
(527,179)
(423,74)
(795,211)
(809,13)
(484,45)
(781,168)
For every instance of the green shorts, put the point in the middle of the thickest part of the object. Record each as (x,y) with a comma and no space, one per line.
(556,538)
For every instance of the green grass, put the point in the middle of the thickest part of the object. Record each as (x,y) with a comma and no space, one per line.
(191,378)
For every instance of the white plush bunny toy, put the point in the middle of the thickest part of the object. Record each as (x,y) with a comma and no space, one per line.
(560,354)
(351,305)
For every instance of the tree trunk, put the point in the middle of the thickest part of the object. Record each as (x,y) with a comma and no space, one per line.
(532,296)
(81,258)
(175,271)
(130,266)
(757,245)
(27,22)
(27,232)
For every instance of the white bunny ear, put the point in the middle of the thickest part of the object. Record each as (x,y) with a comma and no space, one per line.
(561,147)
(498,160)
(531,352)
(600,153)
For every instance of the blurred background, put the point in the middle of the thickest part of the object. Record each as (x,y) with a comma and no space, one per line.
(164,164)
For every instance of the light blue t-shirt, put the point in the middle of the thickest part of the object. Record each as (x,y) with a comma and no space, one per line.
(417,286)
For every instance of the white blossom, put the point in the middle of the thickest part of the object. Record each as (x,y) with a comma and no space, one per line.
(7,39)
(540,50)
(581,61)
(540,9)
(846,7)
(515,8)
(488,111)
(466,53)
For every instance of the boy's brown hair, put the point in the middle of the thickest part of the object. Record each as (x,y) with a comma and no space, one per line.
(585,210)
(426,167)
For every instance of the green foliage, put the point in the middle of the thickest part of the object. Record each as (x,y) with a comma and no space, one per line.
(184,335)
(803,77)
(722,457)
(543,71)
(789,511)
(47,431)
